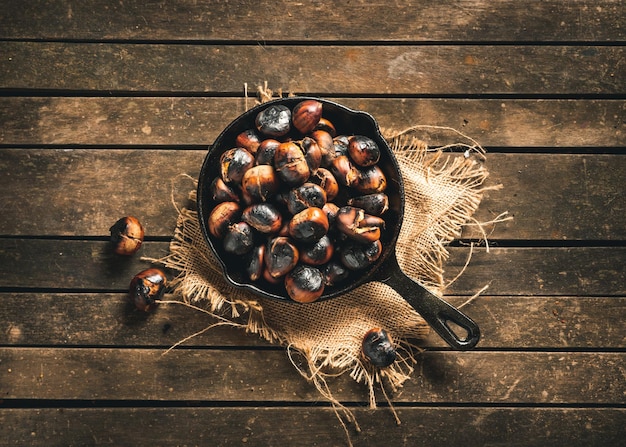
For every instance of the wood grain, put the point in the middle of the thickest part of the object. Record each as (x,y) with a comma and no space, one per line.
(548,124)
(47,319)
(241,20)
(89,266)
(587,202)
(399,70)
(228,375)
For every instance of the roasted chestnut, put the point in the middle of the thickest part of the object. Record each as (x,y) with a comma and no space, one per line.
(265,152)
(239,239)
(317,253)
(263,217)
(363,150)
(312,153)
(308,225)
(146,288)
(354,223)
(281,256)
(306,115)
(370,180)
(290,163)
(260,182)
(375,204)
(126,235)
(340,145)
(334,273)
(331,211)
(249,140)
(255,263)
(377,347)
(274,121)
(221,192)
(234,164)
(326,126)
(223,216)
(356,255)
(327,181)
(305,196)
(327,147)
(344,171)
(304,284)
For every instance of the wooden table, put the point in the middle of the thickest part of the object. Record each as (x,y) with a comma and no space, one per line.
(104,102)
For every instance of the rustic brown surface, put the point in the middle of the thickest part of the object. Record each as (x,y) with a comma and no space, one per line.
(104,104)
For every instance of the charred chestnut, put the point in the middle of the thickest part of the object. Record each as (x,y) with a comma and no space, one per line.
(281,256)
(375,204)
(260,182)
(234,163)
(126,235)
(290,164)
(327,147)
(304,284)
(327,181)
(306,115)
(344,171)
(334,273)
(263,217)
(363,150)
(356,256)
(377,347)
(309,225)
(223,216)
(221,192)
(305,196)
(249,140)
(239,239)
(370,180)
(340,145)
(331,211)
(274,121)
(312,153)
(255,263)
(354,223)
(146,288)
(265,152)
(317,253)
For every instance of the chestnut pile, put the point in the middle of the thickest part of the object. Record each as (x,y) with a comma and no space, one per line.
(298,204)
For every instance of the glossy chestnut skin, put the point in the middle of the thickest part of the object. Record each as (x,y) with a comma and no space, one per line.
(146,288)
(305,196)
(317,253)
(357,225)
(327,146)
(260,182)
(370,180)
(344,171)
(326,126)
(377,347)
(234,163)
(376,204)
(363,150)
(312,153)
(222,217)
(249,139)
(327,181)
(221,192)
(255,263)
(265,152)
(304,284)
(290,164)
(274,121)
(357,256)
(281,256)
(239,239)
(263,217)
(306,115)
(309,225)
(126,236)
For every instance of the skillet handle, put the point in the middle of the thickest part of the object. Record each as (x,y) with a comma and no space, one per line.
(437,312)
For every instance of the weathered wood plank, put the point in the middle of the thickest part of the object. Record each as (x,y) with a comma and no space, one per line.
(268,376)
(409,21)
(87,319)
(429,69)
(440,426)
(198,121)
(88,265)
(586,203)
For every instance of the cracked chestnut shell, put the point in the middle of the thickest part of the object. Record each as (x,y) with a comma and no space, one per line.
(290,164)
(304,284)
(126,235)
(370,180)
(357,225)
(274,121)
(260,182)
(377,347)
(239,239)
(376,204)
(305,196)
(248,139)
(234,164)
(222,217)
(309,225)
(356,255)
(146,288)
(281,256)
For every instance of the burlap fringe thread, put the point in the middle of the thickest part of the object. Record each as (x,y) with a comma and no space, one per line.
(442,193)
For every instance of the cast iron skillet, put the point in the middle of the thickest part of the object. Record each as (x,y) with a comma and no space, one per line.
(438,313)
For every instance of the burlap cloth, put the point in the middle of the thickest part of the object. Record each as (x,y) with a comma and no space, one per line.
(442,192)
